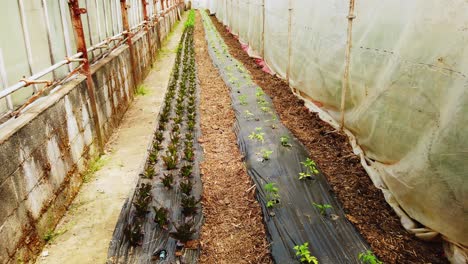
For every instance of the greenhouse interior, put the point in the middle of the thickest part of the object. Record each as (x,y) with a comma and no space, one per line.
(234,131)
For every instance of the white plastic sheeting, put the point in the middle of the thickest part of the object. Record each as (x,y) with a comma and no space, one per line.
(407,103)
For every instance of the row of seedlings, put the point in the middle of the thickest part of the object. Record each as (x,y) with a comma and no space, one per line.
(171,158)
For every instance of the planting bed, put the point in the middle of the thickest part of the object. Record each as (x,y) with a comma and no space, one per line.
(297,203)
(363,203)
(160,222)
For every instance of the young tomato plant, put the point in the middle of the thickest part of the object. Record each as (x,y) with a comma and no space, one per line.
(303,252)
(266,154)
(257,134)
(322,208)
(311,165)
(368,258)
(243,99)
(285,141)
(272,194)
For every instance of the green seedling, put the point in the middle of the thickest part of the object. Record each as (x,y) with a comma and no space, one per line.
(304,175)
(261,101)
(134,234)
(142,199)
(189,205)
(186,171)
(186,187)
(285,141)
(159,136)
(368,258)
(243,99)
(189,154)
(149,172)
(162,126)
(303,252)
(266,154)
(176,129)
(178,120)
(172,149)
(174,138)
(190,125)
(272,194)
(257,134)
(167,180)
(249,115)
(184,232)
(311,166)
(259,92)
(265,109)
(157,146)
(188,137)
(322,208)
(160,216)
(141,90)
(170,161)
(153,157)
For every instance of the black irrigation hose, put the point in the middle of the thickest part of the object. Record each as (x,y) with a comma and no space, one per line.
(164,211)
(295,211)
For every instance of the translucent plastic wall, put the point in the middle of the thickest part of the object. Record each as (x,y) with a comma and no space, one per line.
(407,101)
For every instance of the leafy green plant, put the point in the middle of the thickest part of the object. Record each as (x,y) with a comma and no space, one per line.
(190,125)
(303,252)
(272,194)
(186,171)
(188,152)
(285,141)
(259,92)
(304,175)
(265,109)
(160,216)
(257,134)
(157,146)
(174,138)
(159,136)
(141,90)
(311,166)
(167,180)
(322,208)
(186,187)
(189,205)
(243,99)
(133,233)
(248,115)
(153,157)
(188,137)
(149,172)
(368,257)
(266,154)
(184,232)
(142,199)
(170,160)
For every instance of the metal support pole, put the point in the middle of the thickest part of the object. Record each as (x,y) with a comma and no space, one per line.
(126,27)
(75,14)
(263,30)
(144,4)
(345,83)
(288,70)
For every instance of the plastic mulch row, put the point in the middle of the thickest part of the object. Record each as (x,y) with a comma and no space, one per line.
(295,211)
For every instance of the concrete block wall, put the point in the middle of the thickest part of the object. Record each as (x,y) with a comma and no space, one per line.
(45,151)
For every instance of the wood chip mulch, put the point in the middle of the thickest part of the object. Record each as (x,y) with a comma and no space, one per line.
(362,201)
(233,231)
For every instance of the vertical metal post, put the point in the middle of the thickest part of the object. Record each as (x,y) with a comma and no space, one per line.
(47,23)
(263,30)
(345,83)
(288,70)
(144,4)
(126,27)
(75,13)
(3,76)
(66,32)
(27,40)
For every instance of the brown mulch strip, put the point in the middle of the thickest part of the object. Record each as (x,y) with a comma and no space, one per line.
(363,203)
(233,230)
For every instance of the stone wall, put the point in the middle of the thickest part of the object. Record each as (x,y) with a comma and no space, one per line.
(46,150)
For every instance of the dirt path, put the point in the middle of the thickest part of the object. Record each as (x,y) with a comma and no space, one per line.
(233,231)
(363,202)
(84,233)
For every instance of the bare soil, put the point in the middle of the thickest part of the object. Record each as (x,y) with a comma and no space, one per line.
(233,231)
(363,203)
